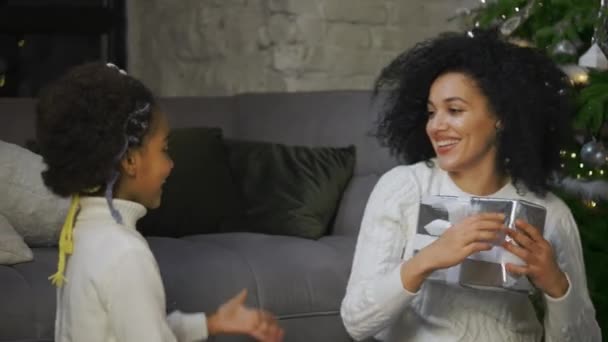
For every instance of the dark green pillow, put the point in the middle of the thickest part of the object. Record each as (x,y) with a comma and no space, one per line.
(200,193)
(289,190)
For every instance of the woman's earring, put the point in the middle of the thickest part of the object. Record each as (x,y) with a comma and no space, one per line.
(499,125)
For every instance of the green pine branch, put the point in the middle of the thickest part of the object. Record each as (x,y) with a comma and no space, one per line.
(551,22)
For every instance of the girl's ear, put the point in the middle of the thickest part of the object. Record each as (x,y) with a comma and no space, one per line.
(128,164)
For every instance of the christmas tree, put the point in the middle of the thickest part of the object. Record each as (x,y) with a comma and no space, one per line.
(575,34)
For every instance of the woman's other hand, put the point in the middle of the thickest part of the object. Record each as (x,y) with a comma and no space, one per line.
(539,258)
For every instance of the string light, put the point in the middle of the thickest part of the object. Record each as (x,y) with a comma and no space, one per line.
(573,155)
(581,165)
(590,203)
(590,173)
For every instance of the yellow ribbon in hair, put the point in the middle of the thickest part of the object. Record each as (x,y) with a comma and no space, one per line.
(66,244)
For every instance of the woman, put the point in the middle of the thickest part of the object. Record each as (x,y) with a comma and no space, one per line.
(473,116)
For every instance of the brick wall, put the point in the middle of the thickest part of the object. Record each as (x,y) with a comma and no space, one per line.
(218,47)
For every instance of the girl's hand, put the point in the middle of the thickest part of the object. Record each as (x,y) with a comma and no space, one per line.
(473,234)
(540,264)
(233,317)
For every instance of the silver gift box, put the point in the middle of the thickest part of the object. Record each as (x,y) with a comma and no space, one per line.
(483,270)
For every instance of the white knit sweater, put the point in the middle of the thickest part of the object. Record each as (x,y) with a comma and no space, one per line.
(114,290)
(376,304)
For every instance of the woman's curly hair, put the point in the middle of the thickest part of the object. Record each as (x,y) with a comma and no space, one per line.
(527,92)
(80,125)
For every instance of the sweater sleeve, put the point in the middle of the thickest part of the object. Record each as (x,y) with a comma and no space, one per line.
(188,327)
(571,317)
(135,300)
(375,295)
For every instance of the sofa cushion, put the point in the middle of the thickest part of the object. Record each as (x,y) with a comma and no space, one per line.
(28,298)
(296,279)
(200,272)
(288,190)
(292,277)
(200,193)
(13,249)
(32,209)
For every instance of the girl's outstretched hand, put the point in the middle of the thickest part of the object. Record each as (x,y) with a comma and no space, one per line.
(233,317)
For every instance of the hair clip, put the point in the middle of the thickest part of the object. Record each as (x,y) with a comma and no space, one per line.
(113,66)
(137,124)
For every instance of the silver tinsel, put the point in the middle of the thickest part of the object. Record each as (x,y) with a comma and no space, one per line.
(596,190)
(510,25)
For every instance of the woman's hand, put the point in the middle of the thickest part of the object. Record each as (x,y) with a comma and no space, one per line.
(473,234)
(233,317)
(539,258)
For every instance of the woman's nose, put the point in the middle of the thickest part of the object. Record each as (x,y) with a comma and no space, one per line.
(437,122)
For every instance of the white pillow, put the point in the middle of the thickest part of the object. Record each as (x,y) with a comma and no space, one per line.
(12,248)
(32,209)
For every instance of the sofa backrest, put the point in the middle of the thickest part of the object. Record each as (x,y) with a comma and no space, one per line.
(200,112)
(331,118)
(17,120)
(325,118)
(17,115)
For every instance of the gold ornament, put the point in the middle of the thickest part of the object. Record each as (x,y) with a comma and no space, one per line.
(520,42)
(577,74)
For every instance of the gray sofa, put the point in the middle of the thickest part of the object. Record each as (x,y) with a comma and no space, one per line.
(301,281)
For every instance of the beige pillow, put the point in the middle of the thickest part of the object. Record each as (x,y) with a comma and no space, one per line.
(12,248)
(35,213)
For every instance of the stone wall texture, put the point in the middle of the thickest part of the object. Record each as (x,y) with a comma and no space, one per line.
(223,47)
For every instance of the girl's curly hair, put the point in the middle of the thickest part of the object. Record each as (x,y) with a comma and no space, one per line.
(525,89)
(80,125)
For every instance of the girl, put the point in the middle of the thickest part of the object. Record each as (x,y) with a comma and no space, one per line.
(104,140)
